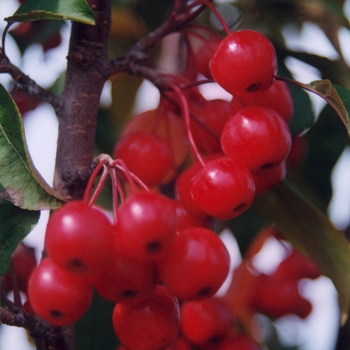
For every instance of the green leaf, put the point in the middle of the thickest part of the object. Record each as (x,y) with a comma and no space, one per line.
(92,331)
(20,182)
(344,95)
(337,97)
(312,233)
(303,115)
(15,224)
(33,10)
(326,141)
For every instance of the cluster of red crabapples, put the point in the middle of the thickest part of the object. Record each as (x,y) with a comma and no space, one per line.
(159,249)
(142,261)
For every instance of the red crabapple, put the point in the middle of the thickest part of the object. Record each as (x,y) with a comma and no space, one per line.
(79,237)
(277,97)
(205,322)
(223,188)
(196,265)
(245,63)
(211,116)
(126,279)
(168,126)
(257,137)
(146,155)
(152,324)
(267,178)
(146,225)
(58,296)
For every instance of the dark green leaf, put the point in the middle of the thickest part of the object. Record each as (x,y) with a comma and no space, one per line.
(303,116)
(92,331)
(33,10)
(312,233)
(245,228)
(344,95)
(15,224)
(20,182)
(326,141)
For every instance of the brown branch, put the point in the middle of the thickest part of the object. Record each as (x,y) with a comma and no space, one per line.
(87,60)
(25,83)
(88,69)
(139,54)
(45,336)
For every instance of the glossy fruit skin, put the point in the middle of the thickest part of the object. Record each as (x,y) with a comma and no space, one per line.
(223,188)
(196,265)
(79,237)
(277,97)
(205,322)
(185,220)
(149,325)
(268,178)
(146,155)
(165,124)
(245,63)
(256,137)
(59,297)
(213,114)
(126,279)
(183,187)
(146,225)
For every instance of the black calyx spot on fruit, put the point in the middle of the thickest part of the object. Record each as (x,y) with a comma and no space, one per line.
(253,88)
(154,247)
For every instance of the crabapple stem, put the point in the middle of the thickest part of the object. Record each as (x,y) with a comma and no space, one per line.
(16,295)
(131,177)
(9,304)
(92,179)
(99,185)
(217,14)
(116,189)
(186,116)
(6,29)
(314,91)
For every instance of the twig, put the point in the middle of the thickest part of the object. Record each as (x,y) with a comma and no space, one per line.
(139,54)
(26,84)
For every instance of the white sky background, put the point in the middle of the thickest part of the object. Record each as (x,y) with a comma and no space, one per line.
(317,332)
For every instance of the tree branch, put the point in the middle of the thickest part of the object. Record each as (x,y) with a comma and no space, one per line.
(25,83)
(85,78)
(45,336)
(132,61)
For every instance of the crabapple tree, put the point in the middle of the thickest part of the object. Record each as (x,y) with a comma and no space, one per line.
(133,254)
